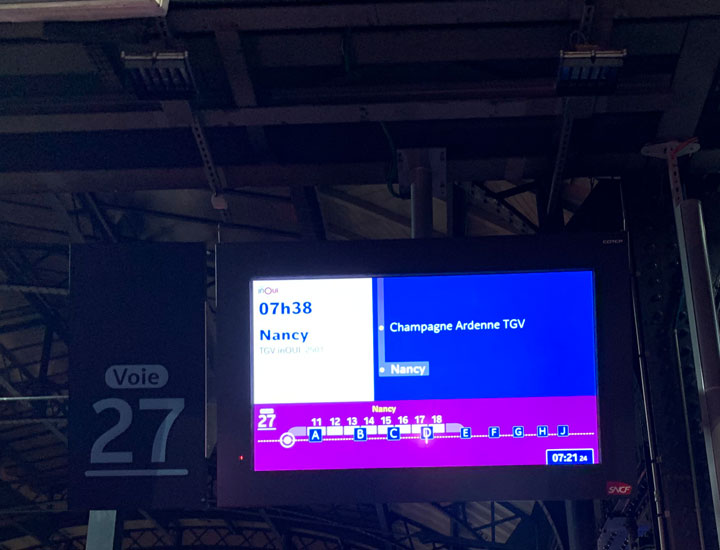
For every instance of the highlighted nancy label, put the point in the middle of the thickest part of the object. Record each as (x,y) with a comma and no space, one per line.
(405,368)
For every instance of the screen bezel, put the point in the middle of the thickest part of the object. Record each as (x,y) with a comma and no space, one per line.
(239,264)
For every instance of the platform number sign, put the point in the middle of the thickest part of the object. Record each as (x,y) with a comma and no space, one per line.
(137,376)
(98,454)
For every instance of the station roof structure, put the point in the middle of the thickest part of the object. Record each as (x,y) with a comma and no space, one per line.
(255,120)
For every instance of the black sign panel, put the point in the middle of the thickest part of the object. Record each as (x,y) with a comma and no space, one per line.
(137,376)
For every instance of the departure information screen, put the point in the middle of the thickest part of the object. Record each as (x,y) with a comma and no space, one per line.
(424,371)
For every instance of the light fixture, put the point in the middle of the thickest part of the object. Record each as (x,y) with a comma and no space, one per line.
(20,11)
(589,71)
(160,75)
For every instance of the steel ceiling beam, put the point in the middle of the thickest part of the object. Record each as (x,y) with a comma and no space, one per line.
(22,274)
(74,232)
(382,46)
(455,519)
(288,175)
(236,67)
(24,325)
(235,62)
(248,529)
(457,44)
(57,291)
(693,80)
(327,114)
(98,217)
(192,18)
(340,233)
(395,14)
(46,355)
(49,425)
(380,213)
(13,362)
(308,212)
(370,46)
(202,221)
(497,210)
(44,59)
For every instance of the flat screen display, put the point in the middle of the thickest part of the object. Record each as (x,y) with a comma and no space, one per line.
(416,371)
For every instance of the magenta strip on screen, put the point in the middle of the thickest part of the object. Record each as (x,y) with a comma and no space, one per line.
(502,432)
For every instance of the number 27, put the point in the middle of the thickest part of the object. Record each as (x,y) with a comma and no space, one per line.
(98,454)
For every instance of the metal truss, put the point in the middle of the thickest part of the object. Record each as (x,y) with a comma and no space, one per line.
(351,527)
(33,354)
(33,455)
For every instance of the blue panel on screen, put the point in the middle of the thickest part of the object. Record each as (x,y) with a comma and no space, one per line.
(552,352)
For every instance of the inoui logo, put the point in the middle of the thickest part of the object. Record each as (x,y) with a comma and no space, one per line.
(267,290)
(124,377)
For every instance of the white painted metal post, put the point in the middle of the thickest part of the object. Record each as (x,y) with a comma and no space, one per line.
(700,305)
(422,172)
(421,198)
(103,531)
(703,332)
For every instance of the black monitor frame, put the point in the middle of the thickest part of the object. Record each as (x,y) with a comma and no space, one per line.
(238,264)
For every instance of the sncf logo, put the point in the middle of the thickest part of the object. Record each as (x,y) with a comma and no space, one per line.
(618,488)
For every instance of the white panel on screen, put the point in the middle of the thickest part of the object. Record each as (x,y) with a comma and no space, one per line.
(331,349)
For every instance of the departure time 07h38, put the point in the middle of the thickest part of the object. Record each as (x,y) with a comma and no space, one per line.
(281,308)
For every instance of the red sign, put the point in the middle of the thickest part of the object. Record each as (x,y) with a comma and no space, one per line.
(618,488)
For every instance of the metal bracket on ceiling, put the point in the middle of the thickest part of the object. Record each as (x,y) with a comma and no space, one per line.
(560,157)
(670,151)
(586,22)
(182,111)
(499,207)
(422,173)
(214,176)
(431,159)
(211,173)
(699,299)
